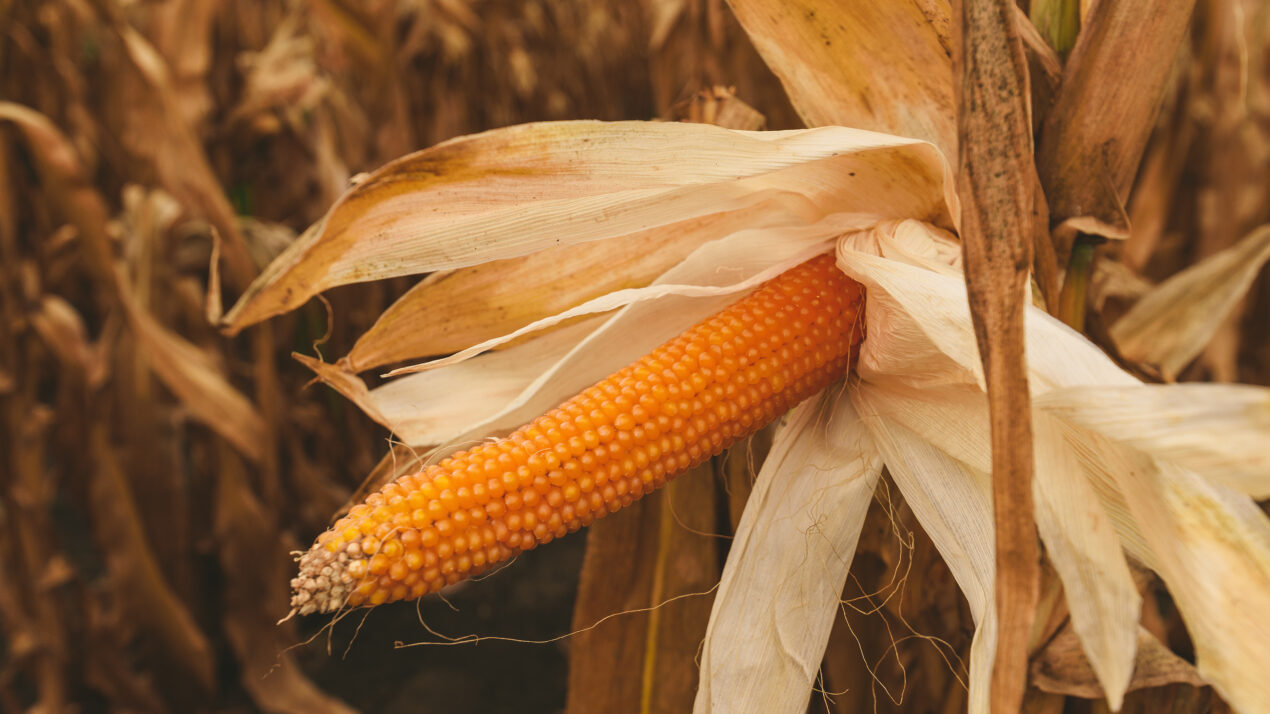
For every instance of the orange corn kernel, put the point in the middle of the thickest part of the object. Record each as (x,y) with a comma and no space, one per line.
(625,436)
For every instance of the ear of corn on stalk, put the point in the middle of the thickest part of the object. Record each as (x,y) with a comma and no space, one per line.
(625,436)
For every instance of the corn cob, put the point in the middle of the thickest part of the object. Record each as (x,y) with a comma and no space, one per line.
(677,406)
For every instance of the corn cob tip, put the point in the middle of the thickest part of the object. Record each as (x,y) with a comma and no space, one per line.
(324,581)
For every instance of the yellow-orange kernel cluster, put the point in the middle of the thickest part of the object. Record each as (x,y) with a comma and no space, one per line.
(672,409)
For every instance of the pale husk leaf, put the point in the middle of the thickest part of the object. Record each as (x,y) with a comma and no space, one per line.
(451,310)
(953,503)
(920,338)
(782,583)
(1174,322)
(514,191)
(1219,431)
(916,313)
(1083,545)
(884,66)
(928,298)
(621,298)
(1211,546)
(1079,537)
(435,406)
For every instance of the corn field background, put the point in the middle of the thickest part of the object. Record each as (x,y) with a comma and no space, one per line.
(156,474)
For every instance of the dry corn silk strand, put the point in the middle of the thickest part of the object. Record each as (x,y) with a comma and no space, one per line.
(625,436)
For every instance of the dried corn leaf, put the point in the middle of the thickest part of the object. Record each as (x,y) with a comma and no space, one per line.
(1212,548)
(437,406)
(917,325)
(135,572)
(1080,540)
(67,182)
(197,382)
(1060,667)
(632,296)
(1045,68)
(183,32)
(1079,536)
(719,106)
(1219,431)
(1084,547)
(883,66)
(954,506)
(283,76)
(346,383)
(161,134)
(638,328)
(1098,126)
(451,310)
(515,191)
(780,588)
(1173,322)
(920,373)
(62,329)
(246,534)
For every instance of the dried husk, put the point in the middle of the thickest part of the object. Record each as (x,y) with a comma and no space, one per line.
(1128,482)
(1218,430)
(1098,126)
(880,66)
(451,310)
(780,588)
(1177,319)
(489,196)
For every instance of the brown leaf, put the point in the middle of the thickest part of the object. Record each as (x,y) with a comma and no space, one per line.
(135,573)
(1060,667)
(35,626)
(721,107)
(197,381)
(1097,129)
(183,32)
(995,184)
(1045,71)
(346,383)
(281,77)
(250,549)
(62,329)
(644,661)
(68,185)
(160,133)
(1176,319)
(882,66)
(1045,68)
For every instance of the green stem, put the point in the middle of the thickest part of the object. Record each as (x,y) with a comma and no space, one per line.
(1071,301)
(1058,21)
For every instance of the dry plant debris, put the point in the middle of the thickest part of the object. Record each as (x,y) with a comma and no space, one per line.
(159,158)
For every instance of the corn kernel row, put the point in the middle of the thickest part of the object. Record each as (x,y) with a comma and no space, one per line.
(619,439)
